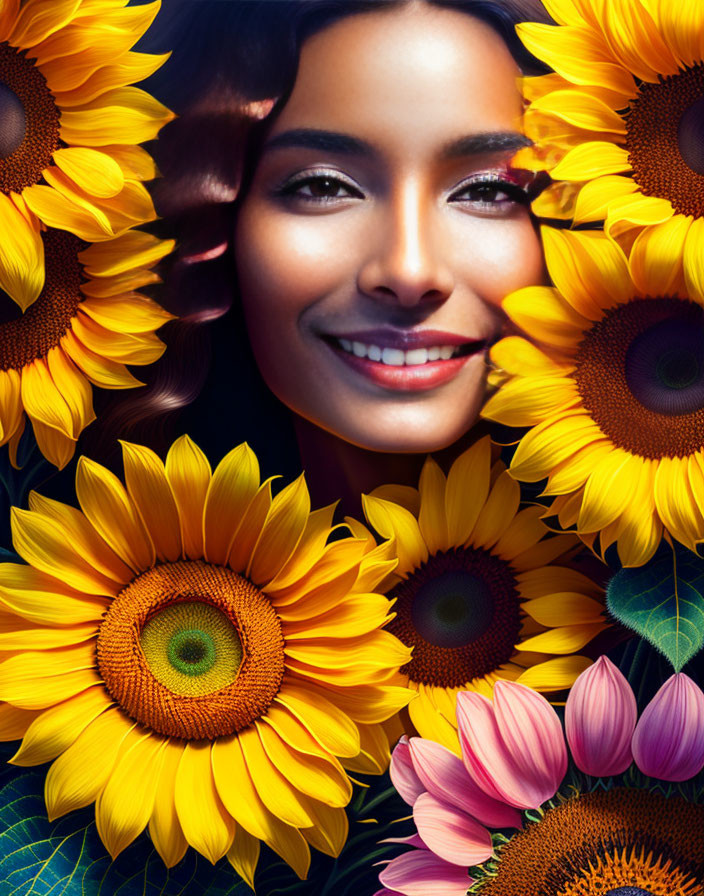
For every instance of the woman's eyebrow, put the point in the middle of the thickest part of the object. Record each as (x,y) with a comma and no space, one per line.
(345,144)
(325,141)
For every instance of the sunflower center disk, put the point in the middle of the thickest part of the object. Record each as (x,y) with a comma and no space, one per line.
(26,337)
(640,373)
(460,613)
(665,140)
(191,650)
(622,842)
(29,121)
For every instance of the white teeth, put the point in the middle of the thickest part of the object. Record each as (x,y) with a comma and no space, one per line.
(396,357)
(393,356)
(417,356)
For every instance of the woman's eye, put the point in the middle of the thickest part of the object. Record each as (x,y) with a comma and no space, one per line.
(320,188)
(487,193)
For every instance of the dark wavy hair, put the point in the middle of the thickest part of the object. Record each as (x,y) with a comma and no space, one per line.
(232,63)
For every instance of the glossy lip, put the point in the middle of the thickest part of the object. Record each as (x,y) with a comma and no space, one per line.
(410,377)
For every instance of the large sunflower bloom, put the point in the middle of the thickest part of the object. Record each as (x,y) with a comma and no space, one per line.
(196,655)
(621,120)
(68,153)
(477,594)
(87,323)
(614,395)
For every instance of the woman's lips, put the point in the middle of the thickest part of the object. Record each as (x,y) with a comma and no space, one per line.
(415,362)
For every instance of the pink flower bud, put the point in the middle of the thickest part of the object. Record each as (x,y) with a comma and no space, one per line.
(668,742)
(600,716)
(514,747)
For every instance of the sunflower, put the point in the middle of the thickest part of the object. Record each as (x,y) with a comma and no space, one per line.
(621,121)
(614,396)
(71,122)
(477,594)
(87,323)
(195,656)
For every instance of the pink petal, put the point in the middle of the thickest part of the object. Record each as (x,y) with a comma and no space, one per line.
(386,892)
(402,773)
(668,742)
(412,840)
(450,833)
(444,775)
(522,760)
(422,873)
(600,716)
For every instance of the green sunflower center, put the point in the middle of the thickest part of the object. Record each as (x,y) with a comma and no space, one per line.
(665,140)
(640,373)
(26,337)
(460,612)
(30,129)
(192,648)
(621,842)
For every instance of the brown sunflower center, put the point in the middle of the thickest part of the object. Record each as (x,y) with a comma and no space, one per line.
(622,842)
(191,650)
(665,140)
(640,373)
(25,337)
(29,121)
(460,612)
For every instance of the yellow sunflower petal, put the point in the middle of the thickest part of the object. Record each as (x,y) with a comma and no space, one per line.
(122,115)
(368,704)
(590,271)
(14,722)
(151,494)
(329,725)
(92,171)
(330,831)
(466,491)
(130,68)
(129,313)
(164,826)
(577,54)
(42,599)
(74,389)
(236,788)
(17,634)
(553,609)
(625,211)
(500,508)
(133,249)
(310,548)
(431,518)
(35,680)
(10,404)
(280,797)
(608,489)
(356,615)
(656,257)
(517,356)
(693,247)
(123,808)
(392,521)
(529,400)
(125,348)
(681,27)
(374,754)
(43,400)
(635,40)
(72,782)
(545,315)
(188,472)
(282,530)
(675,502)
(250,528)
(551,443)
(640,528)
(21,255)
(546,580)
(243,855)
(42,543)
(233,485)
(592,159)
(58,727)
(523,532)
(98,370)
(562,639)
(429,723)
(582,110)
(8,17)
(554,675)
(594,198)
(56,210)
(206,824)
(107,505)
(39,19)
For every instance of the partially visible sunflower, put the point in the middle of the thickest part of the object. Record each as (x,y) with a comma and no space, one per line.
(87,323)
(614,395)
(70,125)
(195,656)
(478,596)
(622,121)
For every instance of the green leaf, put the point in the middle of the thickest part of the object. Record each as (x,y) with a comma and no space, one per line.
(663,602)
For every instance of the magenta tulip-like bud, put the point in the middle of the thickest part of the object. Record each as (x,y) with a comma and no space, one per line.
(600,716)
(668,742)
(514,747)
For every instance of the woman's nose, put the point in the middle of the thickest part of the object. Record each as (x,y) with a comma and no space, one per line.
(406,265)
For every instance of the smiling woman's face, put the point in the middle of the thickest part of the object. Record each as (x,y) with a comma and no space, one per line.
(384,225)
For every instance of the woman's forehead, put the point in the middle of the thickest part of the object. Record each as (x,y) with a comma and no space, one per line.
(415,70)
